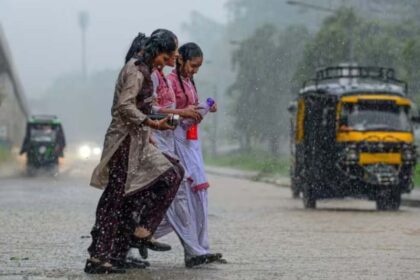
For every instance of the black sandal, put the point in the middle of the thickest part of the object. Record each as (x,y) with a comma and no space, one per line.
(143,252)
(143,244)
(128,264)
(216,257)
(195,261)
(92,267)
(147,242)
(137,260)
(157,246)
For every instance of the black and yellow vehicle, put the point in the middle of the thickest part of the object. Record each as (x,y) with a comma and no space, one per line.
(44,144)
(352,136)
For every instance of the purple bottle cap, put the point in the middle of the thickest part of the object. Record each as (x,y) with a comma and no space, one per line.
(210,101)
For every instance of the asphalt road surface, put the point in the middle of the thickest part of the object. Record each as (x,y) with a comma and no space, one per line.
(260,229)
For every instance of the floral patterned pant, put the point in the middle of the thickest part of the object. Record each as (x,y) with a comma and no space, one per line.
(118,215)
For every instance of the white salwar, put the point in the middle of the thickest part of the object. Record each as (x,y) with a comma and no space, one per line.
(184,216)
(196,197)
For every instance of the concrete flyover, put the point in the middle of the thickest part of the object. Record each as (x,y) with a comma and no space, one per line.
(14,110)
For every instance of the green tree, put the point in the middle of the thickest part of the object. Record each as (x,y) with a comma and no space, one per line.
(347,37)
(2,93)
(252,59)
(261,92)
(411,65)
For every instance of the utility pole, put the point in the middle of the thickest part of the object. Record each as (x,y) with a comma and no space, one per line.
(83,23)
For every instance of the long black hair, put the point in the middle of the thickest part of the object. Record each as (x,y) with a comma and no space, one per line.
(168,32)
(187,52)
(136,46)
(160,41)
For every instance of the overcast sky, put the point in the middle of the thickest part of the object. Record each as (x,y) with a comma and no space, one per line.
(44,35)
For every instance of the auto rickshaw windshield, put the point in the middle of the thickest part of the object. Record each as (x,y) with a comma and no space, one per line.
(43,133)
(376,116)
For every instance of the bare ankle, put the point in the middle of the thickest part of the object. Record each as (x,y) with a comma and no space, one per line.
(142,232)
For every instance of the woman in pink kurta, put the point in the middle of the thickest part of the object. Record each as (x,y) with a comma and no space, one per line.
(189,151)
(166,104)
(180,217)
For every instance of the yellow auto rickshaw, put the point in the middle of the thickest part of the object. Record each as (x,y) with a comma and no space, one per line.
(352,136)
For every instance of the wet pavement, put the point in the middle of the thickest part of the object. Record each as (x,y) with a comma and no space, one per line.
(263,233)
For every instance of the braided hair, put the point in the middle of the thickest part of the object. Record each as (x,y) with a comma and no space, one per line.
(187,52)
(161,41)
(136,46)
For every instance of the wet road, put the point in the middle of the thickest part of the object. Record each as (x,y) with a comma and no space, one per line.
(263,233)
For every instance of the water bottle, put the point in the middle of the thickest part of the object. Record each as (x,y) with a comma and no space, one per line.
(203,109)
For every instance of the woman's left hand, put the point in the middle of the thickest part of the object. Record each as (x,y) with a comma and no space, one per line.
(213,108)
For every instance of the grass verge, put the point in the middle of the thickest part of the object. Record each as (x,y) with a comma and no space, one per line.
(417,176)
(4,154)
(266,163)
(255,161)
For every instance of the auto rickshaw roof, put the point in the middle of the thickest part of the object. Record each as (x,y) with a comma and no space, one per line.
(349,80)
(44,119)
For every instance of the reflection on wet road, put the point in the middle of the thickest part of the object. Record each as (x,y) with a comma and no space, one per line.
(263,233)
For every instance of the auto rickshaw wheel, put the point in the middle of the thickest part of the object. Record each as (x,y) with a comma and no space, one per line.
(389,199)
(53,170)
(295,189)
(30,170)
(295,193)
(309,200)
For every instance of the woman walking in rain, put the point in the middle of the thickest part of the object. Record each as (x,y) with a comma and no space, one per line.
(124,240)
(138,179)
(188,214)
(180,217)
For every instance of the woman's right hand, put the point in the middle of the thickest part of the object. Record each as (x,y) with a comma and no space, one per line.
(191,112)
(160,124)
(164,125)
